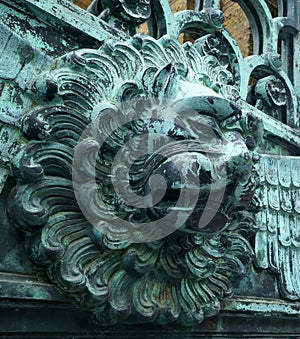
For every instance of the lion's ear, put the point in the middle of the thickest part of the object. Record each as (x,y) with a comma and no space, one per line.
(165,81)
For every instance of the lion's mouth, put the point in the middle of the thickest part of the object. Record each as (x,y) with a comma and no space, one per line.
(195,195)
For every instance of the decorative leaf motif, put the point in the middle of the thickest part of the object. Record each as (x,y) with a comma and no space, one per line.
(277,242)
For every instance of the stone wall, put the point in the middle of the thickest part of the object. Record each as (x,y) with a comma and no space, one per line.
(180,5)
(236,22)
(82,3)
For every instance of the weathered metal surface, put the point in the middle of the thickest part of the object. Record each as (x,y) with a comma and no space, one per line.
(89,133)
(277,242)
(62,14)
(215,155)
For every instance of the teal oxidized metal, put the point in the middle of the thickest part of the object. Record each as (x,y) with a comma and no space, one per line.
(155,182)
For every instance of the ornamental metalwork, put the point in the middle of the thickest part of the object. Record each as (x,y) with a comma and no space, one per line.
(150,175)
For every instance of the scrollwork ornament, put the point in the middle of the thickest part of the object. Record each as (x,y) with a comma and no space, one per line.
(133,12)
(271,97)
(215,18)
(273,61)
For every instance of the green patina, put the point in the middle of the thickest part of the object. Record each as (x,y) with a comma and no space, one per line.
(156,182)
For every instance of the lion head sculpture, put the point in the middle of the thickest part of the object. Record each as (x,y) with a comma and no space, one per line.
(123,137)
